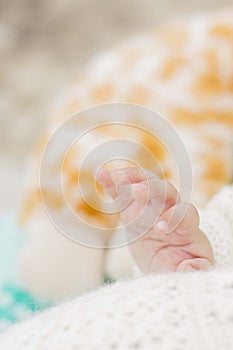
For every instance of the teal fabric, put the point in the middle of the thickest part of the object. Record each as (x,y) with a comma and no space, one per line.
(15,303)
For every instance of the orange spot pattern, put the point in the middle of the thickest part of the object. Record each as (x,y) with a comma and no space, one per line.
(101,94)
(222,31)
(171,66)
(207,82)
(185,116)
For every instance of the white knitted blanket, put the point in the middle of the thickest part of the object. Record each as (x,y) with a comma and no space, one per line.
(173,311)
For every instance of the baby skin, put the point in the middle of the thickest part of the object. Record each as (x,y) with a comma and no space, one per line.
(163,232)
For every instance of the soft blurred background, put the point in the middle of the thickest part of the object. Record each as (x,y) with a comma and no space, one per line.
(43,46)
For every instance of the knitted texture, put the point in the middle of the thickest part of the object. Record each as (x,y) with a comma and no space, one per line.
(167,312)
(217,223)
(160,311)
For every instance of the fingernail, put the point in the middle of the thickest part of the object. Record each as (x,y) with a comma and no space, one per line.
(161,225)
(118,172)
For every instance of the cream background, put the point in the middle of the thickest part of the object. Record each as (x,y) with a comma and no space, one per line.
(43,46)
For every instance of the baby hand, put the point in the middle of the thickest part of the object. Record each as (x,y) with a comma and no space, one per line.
(164,231)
